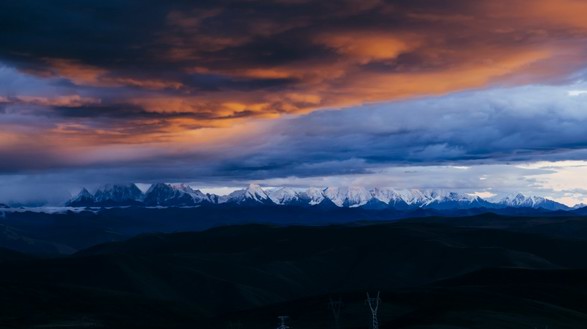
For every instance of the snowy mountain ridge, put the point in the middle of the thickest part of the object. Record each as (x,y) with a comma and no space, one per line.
(164,194)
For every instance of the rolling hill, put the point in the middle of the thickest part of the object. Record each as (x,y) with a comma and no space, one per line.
(251,273)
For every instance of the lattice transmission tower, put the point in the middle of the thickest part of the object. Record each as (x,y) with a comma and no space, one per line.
(335,306)
(373,303)
(282,320)
(235,325)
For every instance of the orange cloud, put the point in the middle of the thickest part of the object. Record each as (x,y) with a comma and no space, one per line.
(62,101)
(375,87)
(366,46)
(89,75)
(221,66)
(547,14)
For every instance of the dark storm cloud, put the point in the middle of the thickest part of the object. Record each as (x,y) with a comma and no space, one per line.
(285,56)
(125,112)
(126,40)
(523,124)
(499,126)
(96,32)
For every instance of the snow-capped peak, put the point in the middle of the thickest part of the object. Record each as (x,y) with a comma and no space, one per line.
(385,195)
(83,197)
(118,193)
(173,194)
(352,196)
(196,194)
(164,194)
(521,201)
(83,194)
(443,195)
(252,194)
(255,192)
(182,187)
(284,195)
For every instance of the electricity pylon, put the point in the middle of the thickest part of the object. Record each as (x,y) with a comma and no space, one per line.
(335,306)
(282,320)
(234,325)
(373,303)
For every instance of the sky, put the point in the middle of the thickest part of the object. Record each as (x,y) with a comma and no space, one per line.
(484,97)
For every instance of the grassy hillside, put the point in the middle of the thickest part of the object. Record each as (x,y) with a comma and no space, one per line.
(66,233)
(429,273)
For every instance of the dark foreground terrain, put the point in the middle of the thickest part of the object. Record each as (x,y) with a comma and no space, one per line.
(485,271)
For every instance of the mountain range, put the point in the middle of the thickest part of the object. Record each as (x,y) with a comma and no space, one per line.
(182,195)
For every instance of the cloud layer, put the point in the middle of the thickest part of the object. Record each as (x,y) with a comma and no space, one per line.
(173,66)
(228,91)
(481,141)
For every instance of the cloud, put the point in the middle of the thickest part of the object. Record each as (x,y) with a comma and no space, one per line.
(68,101)
(286,57)
(238,90)
(522,124)
(367,46)
(504,125)
(519,124)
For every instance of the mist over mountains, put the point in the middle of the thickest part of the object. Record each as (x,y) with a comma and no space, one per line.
(182,195)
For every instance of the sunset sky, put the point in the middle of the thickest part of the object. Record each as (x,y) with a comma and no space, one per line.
(485,97)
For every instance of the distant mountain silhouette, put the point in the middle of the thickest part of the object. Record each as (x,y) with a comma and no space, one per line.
(181,195)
